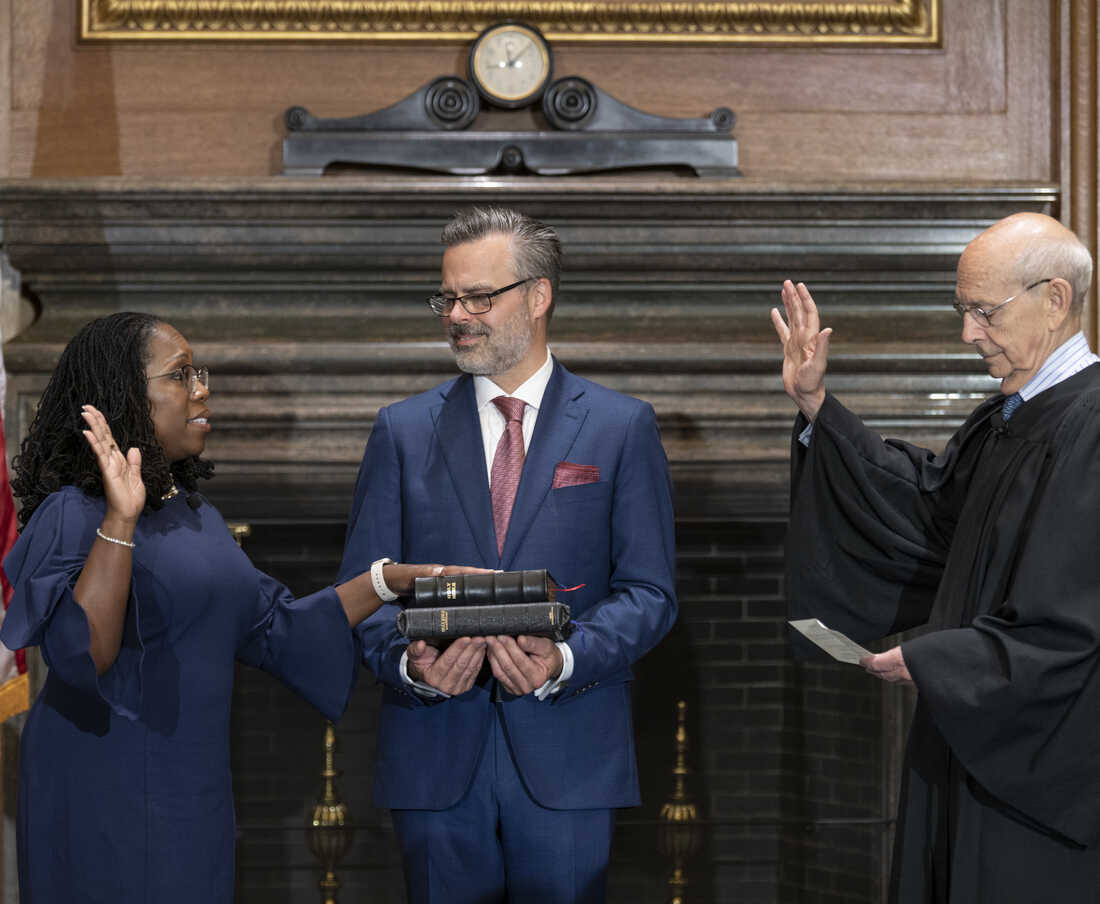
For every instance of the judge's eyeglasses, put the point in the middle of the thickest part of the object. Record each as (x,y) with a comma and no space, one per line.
(984,315)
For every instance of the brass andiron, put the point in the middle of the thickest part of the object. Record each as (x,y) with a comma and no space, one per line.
(240,531)
(329,828)
(680,830)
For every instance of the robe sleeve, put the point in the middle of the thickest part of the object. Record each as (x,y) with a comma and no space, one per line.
(1016,695)
(43,568)
(871,523)
(306,643)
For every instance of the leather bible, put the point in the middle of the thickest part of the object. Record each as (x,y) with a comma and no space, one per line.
(484,589)
(443,623)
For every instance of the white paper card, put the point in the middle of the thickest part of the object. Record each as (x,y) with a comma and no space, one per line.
(841,647)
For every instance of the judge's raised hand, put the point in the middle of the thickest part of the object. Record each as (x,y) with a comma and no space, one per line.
(524,664)
(122,483)
(889,666)
(805,348)
(453,671)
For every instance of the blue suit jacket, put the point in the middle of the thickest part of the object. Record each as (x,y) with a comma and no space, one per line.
(423,496)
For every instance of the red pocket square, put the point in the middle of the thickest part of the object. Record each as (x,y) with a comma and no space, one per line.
(567,474)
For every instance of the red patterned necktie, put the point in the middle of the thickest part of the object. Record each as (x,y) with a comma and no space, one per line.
(507,465)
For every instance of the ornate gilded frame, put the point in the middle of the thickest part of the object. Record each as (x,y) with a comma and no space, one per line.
(911,23)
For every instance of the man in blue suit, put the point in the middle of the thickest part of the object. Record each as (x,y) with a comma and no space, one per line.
(502,759)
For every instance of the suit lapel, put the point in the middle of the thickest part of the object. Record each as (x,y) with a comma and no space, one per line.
(458,432)
(561,415)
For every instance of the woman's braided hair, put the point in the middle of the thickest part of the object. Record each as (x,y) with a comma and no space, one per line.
(103,365)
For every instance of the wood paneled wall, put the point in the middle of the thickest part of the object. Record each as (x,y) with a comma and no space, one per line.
(980,108)
(1078,136)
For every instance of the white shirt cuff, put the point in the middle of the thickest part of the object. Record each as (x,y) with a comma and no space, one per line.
(556,684)
(424,690)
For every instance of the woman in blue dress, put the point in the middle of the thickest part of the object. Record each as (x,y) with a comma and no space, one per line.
(141,601)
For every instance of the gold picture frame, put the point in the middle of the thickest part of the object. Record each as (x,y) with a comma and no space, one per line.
(906,23)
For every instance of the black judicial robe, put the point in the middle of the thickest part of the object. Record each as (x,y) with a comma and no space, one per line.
(995,546)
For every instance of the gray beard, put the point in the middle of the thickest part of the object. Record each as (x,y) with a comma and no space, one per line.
(502,349)
(488,362)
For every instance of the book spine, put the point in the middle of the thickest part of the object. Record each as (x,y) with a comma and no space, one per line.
(448,622)
(483,589)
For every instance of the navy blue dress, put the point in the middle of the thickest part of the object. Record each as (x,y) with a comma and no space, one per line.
(125,792)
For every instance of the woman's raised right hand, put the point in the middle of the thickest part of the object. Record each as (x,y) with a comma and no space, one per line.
(122,483)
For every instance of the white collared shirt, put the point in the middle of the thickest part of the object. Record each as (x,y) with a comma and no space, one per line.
(492,420)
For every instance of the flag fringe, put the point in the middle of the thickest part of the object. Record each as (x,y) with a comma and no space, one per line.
(15,696)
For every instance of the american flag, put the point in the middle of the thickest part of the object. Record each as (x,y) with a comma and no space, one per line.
(14,681)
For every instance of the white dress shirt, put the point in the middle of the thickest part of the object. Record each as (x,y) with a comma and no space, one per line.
(492,429)
(491,418)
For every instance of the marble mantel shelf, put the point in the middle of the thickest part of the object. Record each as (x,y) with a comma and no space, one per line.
(565,189)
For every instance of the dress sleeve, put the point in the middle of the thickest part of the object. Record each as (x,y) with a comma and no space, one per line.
(1016,694)
(306,643)
(871,524)
(43,568)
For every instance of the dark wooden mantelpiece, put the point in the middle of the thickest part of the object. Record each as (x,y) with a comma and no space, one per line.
(305,299)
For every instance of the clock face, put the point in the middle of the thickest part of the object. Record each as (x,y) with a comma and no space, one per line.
(510,64)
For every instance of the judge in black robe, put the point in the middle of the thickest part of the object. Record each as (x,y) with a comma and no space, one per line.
(993,544)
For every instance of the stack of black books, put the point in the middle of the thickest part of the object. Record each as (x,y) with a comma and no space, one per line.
(472,605)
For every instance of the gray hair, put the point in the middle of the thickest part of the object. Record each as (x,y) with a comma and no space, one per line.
(1062,256)
(536,248)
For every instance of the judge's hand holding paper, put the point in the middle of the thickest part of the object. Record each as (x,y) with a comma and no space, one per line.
(889,666)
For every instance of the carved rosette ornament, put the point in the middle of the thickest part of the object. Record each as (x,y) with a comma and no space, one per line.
(891,22)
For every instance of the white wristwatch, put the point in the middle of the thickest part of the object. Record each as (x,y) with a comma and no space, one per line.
(384,593)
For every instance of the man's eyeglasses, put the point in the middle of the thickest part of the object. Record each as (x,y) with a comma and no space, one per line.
(984,315)
(477,303)
(189,375)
